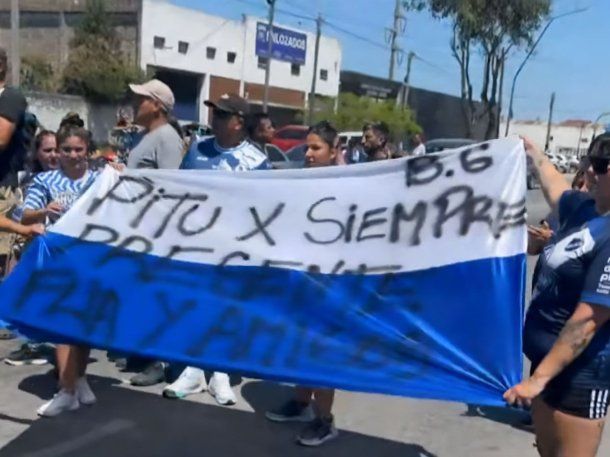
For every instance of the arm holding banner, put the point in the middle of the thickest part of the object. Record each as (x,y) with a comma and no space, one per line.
(552,181)
(571,343)
(8,225)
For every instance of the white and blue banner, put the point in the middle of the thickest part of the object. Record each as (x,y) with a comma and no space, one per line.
(402,277)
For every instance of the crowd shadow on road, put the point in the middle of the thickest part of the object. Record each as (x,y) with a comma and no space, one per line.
(512,417)
(134,423)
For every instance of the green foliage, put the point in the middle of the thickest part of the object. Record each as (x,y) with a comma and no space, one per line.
(493,28)
(97,68)
(483,20)
(37,74)
(353,112)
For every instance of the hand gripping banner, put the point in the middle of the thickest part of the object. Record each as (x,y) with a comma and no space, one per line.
(402,277)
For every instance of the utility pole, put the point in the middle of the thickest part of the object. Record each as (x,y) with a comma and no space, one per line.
(500,98)
(271,4)
(397,30)
(407,81)
(312,94)
(548,126)
(15,49)
(529,54)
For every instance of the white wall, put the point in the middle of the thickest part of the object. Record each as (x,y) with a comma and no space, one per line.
(202,30)
(565,139)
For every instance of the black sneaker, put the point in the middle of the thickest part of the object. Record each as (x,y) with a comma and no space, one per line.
(28,354)
(152,374)
(292,411)
(317,432)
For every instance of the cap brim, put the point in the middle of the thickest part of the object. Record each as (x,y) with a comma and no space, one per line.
(139,90)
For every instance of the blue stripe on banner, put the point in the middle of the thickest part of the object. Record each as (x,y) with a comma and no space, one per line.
(451,333)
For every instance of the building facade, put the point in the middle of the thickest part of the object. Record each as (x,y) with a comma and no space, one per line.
(570,138)
(438,114)
(46,27)
(201,57)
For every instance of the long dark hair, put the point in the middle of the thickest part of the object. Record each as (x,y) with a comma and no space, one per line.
(33,164)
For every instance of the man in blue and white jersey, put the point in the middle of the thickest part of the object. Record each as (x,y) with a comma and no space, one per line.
(229,149)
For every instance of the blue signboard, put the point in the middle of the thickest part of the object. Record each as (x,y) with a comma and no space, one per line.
(288,45)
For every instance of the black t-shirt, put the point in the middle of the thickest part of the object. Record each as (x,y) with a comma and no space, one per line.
(12,159)
(574,267)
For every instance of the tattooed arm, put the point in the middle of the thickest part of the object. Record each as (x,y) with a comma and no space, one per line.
(573,340)
(552,182)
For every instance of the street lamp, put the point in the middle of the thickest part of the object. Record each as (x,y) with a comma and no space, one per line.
(271,4)
(599,118)
(529,54)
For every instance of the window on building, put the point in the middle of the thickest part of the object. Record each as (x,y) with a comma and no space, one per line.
(295,69)
(159,42)
(183,47)
(262,62)
(231,56)
(210,53)
(324,75)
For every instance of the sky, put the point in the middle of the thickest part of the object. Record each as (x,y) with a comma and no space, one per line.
(571,60)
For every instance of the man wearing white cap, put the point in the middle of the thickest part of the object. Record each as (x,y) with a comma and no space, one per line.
(161,146)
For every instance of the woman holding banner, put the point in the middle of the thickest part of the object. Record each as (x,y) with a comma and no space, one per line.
(567,330)
(50,196)
(322,151)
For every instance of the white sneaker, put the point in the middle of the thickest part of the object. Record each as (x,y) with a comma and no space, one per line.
(191,381)
(62,401)
(220,388)
(84,393)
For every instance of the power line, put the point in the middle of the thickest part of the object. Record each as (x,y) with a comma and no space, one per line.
(431,65)
(358,37)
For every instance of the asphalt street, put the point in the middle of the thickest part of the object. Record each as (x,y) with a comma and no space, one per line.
(139,422)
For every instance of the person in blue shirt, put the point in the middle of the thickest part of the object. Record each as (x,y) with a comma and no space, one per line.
(567,328)
(229,150)
(51,195)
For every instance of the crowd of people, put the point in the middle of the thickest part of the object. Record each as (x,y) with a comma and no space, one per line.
(566,335)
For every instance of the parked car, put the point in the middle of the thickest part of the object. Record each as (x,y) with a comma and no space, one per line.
(297,153)
(441,144)
(560,162)
(295,158)
(345,138)
(290,136)
(275,154)
(573,164)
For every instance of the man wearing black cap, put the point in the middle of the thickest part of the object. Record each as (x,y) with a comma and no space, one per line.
(228,149)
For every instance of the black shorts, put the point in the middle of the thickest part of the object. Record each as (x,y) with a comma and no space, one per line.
(580,391)
(578,401)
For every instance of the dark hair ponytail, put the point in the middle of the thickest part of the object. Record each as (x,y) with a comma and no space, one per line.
(327,132)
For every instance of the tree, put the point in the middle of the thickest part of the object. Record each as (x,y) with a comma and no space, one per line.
(37,74)
(97,68)
(353,112)
(494,28)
